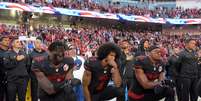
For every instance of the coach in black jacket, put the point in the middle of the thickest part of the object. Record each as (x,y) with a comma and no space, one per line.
(187,67)
(15,63)
(3,48)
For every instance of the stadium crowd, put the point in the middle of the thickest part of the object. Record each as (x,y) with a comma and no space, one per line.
(139,48)
(163,12)
(89,38)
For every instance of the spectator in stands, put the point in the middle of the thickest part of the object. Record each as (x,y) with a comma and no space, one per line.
(143,48)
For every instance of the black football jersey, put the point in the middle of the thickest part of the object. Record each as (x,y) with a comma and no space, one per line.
(100,76)
(151,71)
(55,75)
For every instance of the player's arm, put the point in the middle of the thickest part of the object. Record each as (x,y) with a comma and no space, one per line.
(85,82)
(178,63)
(116,77)
(162,76)
(43,82)
(142,79)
